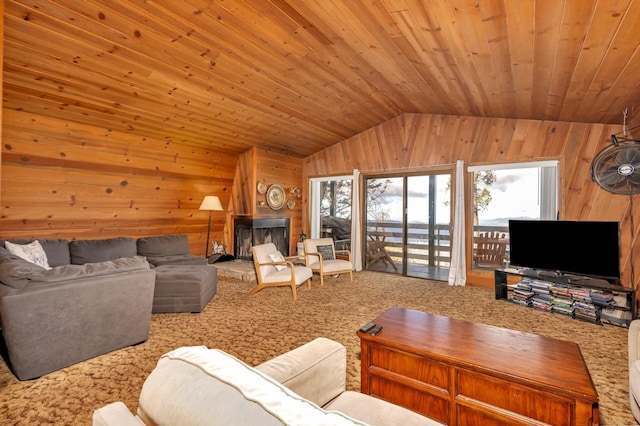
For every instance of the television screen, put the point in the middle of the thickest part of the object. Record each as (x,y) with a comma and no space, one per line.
(589,248)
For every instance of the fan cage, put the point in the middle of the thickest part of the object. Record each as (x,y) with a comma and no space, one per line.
(616,168)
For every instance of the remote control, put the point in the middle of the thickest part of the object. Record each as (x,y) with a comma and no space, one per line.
(367,327)
(376,330)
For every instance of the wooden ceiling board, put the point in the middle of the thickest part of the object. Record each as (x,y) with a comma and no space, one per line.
(548,24)
(432,64)
(602,28)
(297,76)
(567,54)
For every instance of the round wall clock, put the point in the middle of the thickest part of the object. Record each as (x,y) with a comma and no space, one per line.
(275,197)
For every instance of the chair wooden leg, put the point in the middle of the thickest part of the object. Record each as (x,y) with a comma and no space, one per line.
(294,291)
(256,289)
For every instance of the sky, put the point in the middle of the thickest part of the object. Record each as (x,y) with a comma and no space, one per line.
(514,195)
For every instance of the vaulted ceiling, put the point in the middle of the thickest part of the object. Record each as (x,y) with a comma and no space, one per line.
(296,76)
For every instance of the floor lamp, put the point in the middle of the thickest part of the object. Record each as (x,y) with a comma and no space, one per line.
(211,203)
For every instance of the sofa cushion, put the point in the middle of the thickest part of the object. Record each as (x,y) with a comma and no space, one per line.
(57,250)
(93,251)
(210,384)
(176,259)
(315,370)
(163,245)
(375,411)
(32,252)
(20,273)
(16,272)
(70,272)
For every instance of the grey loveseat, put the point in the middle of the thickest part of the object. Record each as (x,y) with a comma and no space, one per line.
(96,297)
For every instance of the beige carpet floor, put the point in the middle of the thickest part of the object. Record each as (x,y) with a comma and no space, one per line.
(259,327)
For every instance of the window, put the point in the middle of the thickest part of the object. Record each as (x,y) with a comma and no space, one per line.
(331,201)
(509,191)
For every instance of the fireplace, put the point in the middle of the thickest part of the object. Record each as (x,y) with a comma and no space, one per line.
(249,232)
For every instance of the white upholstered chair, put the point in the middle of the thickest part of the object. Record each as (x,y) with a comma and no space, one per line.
(320,256)
(274,270)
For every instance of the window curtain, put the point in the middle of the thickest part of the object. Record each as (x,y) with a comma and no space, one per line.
(458,269)
(356,228)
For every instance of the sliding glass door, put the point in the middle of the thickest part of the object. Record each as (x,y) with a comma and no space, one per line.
(408,224)
(384,233)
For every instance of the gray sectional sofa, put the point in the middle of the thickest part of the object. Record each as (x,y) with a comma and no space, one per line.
(93,296)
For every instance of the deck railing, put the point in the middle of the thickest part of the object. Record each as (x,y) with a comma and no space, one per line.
(425,245)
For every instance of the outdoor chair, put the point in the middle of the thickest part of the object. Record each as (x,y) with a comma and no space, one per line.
(491,248)
(275,270)
(377,252)
(322,257)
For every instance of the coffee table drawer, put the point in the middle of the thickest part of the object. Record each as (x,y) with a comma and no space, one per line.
(433,404)
(407,365)
(522,400)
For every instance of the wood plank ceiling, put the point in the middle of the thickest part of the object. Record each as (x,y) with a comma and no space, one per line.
(296,76)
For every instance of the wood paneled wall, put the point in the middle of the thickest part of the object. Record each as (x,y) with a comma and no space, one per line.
(258,165)
(1,90)
(418,141)
(64,180)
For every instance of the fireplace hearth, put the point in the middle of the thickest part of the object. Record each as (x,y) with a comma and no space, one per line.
(249,232)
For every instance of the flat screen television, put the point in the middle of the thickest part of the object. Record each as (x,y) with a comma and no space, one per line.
(560,247)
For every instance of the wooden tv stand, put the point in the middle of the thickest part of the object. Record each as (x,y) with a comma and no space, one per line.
(459,372)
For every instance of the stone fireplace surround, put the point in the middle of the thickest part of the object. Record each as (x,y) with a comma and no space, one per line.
(252,231)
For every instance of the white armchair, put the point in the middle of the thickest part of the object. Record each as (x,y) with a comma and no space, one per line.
(634,368)
(322,257)
(199,386)
(274,270)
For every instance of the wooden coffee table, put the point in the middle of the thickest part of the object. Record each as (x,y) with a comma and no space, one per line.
(460,372)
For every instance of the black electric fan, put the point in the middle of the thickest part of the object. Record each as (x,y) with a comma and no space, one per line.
(616,167)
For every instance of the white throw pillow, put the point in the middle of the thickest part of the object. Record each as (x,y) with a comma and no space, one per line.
(277,257)
(32,252)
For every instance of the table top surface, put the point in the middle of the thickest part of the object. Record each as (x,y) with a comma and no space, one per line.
(521,357)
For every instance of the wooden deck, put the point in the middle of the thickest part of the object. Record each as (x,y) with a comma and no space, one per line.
(438,273)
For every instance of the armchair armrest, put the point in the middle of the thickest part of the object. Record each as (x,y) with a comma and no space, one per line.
(344,252)
(634,342)
(316,370)
(116,414)
(282,262)
(313,253)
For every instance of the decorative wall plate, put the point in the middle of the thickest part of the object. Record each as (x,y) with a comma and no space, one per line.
(275,197)
(291,203)
(262,187)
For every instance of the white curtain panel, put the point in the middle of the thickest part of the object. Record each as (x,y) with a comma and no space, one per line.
(356,230)
(458,271)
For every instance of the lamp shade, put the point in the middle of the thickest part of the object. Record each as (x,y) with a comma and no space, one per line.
(211,202)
